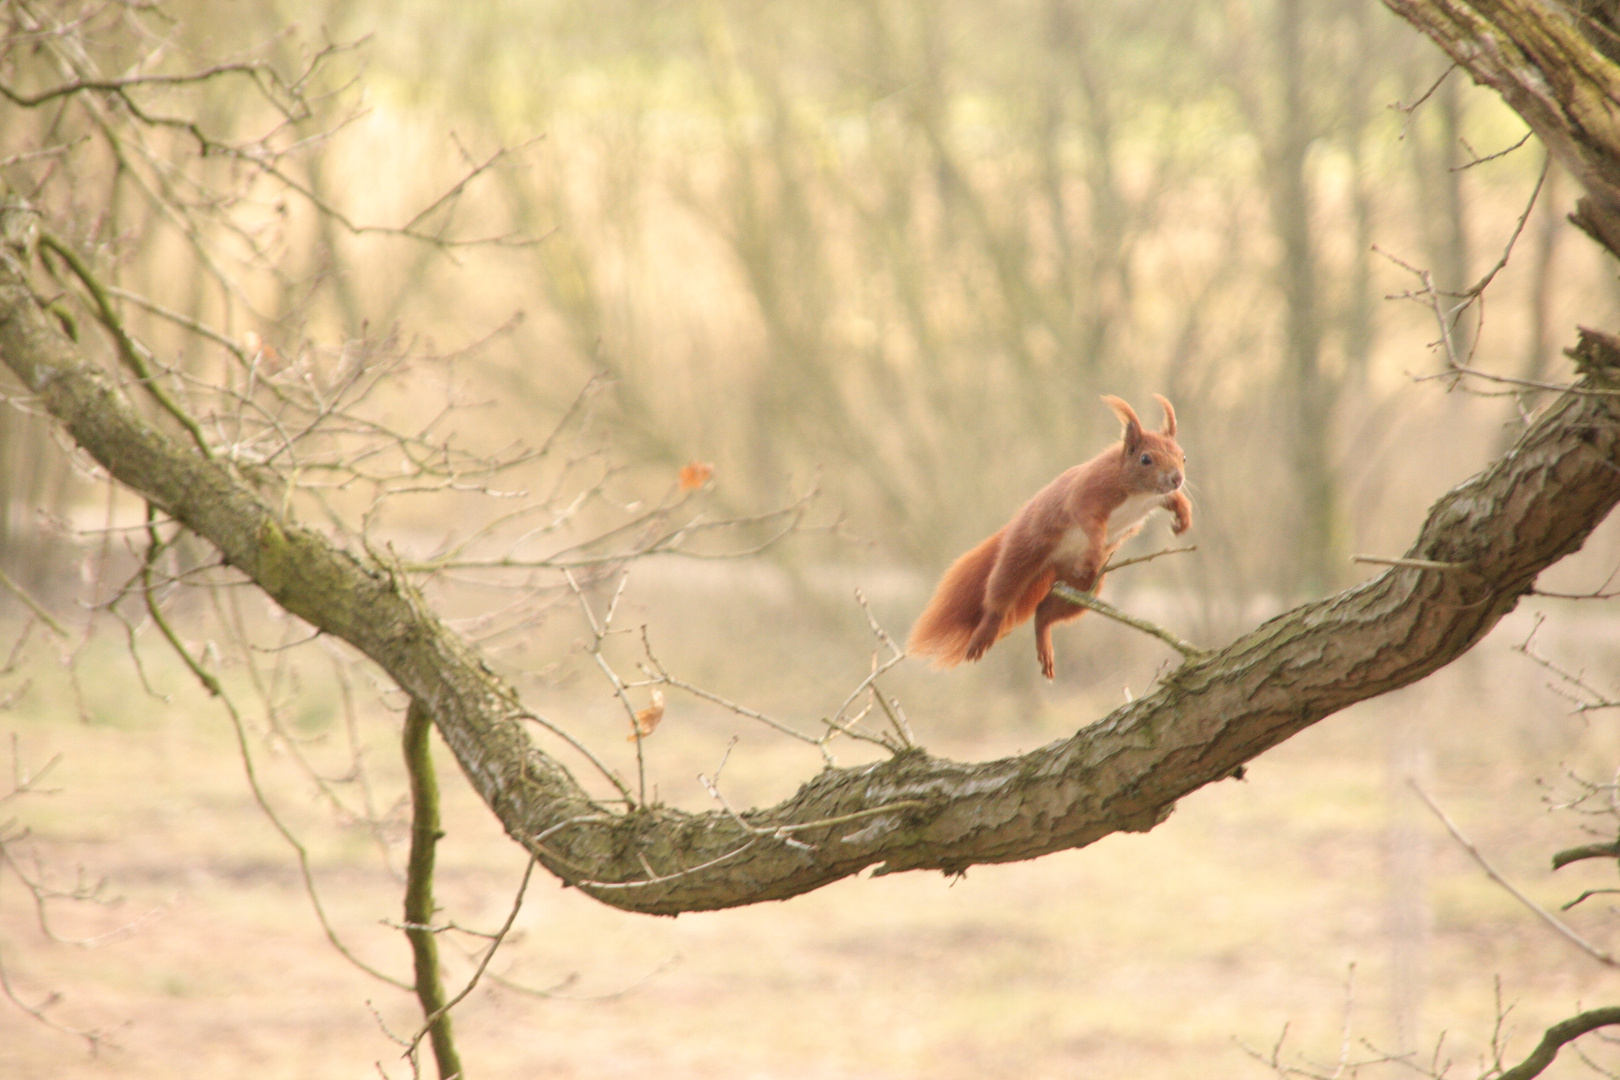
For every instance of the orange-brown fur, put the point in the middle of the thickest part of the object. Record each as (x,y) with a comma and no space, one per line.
(1062,534)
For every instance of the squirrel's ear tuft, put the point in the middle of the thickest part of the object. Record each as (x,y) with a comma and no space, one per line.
(1169,415)
(1127,416)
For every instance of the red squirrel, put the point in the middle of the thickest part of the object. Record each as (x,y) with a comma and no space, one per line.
(1065,533)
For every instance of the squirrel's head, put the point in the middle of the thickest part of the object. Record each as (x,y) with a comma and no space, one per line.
(1150,460)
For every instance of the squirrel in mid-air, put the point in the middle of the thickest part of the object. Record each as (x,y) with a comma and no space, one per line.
(1065,533)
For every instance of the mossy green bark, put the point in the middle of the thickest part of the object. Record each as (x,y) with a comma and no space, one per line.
(1546,67)
(419,906)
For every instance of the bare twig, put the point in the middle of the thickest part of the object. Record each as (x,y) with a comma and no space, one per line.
(660,879)
(1478,288)
(80,86)
(217,691)
(1410,564)
(1088,600)
(1560,927)
(1586,894)
(554,992)
(1479,160)
(132,353)
(660,674)
(896,654)
(1571,686)
(26,782)
(1447,313)
(93,1037)
(1556,1037)
(1123,563)
(1599,595)
(1426,95)
(33,605)
(600,629)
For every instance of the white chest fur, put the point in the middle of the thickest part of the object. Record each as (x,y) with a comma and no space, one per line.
(1131,513)
(1127,518)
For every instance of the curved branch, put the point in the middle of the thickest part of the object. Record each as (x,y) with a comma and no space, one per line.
(1553,1040)
(1589,851)
(1526,511)
(253,69)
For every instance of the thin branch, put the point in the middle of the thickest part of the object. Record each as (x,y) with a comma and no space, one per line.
(24,782)
(1573,596)
(33,605)
(666,542)
(1101,607)
(1447,316)
(128,350)
(1123,563)
(1585,895)
(554,992)
(196,326)
(601,766)
(660,674)
(1427,94)
(1562,928)
(28,101)
(1477,160)
(614,886)
(419,907)
(217,691)
(1410,564)
(93,1037)
(896,655)
(1478,288)
(600,630)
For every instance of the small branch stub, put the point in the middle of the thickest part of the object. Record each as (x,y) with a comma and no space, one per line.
(1411,564)
(1589,851)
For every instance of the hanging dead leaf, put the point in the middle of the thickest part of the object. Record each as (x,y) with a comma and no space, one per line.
(261,353)
(648,718)
(694,474)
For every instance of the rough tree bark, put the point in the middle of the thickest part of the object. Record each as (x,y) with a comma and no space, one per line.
(1479,551)
(1549,63)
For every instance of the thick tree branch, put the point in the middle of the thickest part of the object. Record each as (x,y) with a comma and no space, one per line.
(1553,74)
(1503,527)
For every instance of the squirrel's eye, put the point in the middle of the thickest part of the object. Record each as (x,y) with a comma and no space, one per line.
(1147,459)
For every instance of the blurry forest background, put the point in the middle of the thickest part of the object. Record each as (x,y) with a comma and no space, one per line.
(891,251)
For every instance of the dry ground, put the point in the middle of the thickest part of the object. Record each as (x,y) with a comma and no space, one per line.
(1159,955)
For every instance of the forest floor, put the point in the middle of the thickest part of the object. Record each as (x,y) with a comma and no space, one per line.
(1315,906)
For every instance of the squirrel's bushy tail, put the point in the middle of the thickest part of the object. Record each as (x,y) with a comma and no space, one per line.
(946,625)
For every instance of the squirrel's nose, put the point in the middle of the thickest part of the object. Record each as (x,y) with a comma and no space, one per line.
(1175,479)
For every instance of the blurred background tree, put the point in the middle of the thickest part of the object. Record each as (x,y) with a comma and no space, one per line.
(874,241)
(900,237)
